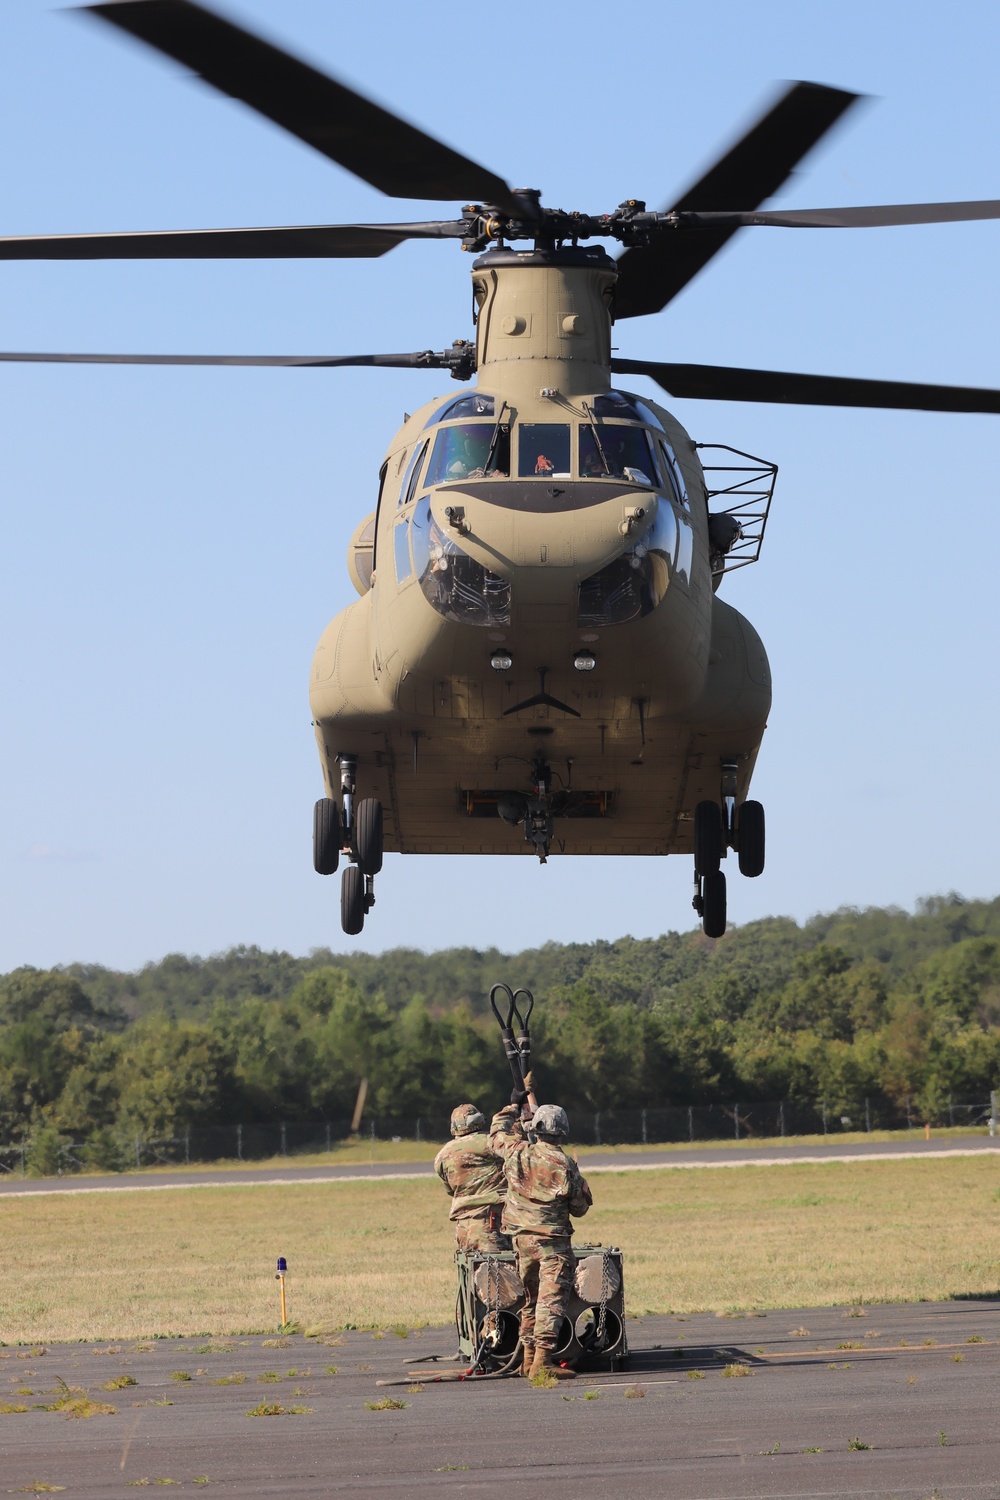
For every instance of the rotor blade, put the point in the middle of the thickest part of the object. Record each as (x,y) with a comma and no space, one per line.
(721,383)
(879,216)
(426,359)
(377,146)
(649,276)
(280,243)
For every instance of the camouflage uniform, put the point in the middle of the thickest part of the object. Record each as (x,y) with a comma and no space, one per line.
(473,1176)
(544,1187)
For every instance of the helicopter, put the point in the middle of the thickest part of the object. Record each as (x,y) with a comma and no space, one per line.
(539,660)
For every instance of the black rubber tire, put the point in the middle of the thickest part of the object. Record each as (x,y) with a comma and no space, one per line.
(713,921)
(352,900)
(707,838)
(750,838)
(326,836)
(368,835)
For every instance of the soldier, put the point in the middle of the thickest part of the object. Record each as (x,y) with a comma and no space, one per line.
(473,1177)
(544,1187)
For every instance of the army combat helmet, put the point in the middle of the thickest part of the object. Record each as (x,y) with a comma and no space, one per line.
(550,1121)
(466,1119)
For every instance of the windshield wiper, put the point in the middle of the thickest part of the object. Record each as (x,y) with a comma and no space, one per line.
(498,430)
(593,428)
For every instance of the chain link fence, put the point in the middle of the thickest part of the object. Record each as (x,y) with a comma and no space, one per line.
(46,1152)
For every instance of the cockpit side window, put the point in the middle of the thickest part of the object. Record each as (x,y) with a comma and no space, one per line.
(465,453)
(401,547)
(409,485)
(543,450)
(616,452)
(674,474)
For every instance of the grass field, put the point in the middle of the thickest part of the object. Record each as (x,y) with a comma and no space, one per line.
(200,1260)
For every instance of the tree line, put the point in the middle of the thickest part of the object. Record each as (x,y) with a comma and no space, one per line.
(878,1003)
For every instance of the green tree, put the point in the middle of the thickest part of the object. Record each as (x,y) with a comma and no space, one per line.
(168,1077)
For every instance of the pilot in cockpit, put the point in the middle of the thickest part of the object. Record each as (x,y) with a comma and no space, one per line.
(469,453)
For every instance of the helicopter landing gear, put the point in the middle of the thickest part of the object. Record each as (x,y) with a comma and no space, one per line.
(358,825)
(713,905)
(718,827)
(326,836)
(709,882)
(538,812)
(357,897)
(368,835)
(709,901)
(707,838)
(750,838)
(352,900)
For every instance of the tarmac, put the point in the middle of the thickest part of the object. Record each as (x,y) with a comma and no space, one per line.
(752,1154)
(896,1403)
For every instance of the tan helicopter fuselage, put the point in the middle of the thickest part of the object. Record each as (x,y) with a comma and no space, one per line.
(510,529)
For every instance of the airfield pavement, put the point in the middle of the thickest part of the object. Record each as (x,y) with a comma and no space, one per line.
(913,1388)
(748,1155)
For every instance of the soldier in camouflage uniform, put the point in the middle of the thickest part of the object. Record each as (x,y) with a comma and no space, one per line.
(544,1187)
(473,1177)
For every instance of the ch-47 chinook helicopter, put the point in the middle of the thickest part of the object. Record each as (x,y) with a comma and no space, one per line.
(539,660)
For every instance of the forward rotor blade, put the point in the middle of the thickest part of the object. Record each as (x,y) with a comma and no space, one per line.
(377,146)
(880,216)
(294,242)
(721,383)
(650,276)
(426,359)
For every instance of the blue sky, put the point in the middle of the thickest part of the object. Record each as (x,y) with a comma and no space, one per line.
(174,540)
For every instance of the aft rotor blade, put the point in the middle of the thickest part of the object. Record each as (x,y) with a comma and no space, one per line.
(292,242)
(369,141)
(878,216)
(650,276)
(721,383)
(427,359)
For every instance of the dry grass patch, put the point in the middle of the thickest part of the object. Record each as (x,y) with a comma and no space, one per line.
(275,1409)
(76,1404)
(379,1254)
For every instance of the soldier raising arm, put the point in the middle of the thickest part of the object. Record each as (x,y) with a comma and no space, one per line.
(544,1188)
(473,1177)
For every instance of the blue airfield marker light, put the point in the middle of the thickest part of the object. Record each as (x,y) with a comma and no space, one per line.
(280,1278)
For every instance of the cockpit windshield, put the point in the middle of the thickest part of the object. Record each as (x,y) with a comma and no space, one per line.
(465,453)
(543,450)
(613,452)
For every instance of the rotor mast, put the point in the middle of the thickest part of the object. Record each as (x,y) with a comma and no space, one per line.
(544,320)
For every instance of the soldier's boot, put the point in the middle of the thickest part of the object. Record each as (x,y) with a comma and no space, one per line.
(529,1355)
(545,1363)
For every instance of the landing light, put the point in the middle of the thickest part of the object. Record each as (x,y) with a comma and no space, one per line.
(585,661)
(501,661)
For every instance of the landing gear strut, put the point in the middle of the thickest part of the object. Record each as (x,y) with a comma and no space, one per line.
(538,814)
(350,826)
(718,827)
